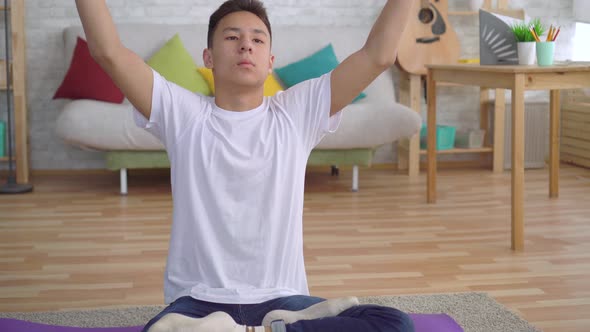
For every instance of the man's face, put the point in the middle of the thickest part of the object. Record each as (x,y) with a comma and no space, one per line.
(240,54)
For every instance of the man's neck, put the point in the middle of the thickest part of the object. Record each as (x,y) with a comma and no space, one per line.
(238,101)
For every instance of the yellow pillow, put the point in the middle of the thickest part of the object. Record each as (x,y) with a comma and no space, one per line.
(208,76)
(271,85)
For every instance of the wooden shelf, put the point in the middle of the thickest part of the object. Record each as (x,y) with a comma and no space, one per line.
(486,149)
(449,84)
(411,95)
(462,13)
(3,74)
(18,88)
(5,159)
(462,151)
(517,13)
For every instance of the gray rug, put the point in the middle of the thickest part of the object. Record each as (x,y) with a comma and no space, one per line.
(475,312)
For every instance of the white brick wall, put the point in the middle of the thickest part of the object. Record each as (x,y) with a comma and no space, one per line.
(46,20)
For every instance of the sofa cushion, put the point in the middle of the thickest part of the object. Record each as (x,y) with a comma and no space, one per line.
(175,63)
(96,125)
(271,85)
(360,130)
(315,65)
(85,79)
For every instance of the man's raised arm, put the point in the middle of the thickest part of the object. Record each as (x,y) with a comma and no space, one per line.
(129,72)
(379,53)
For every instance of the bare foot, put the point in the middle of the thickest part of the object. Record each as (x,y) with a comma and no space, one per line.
(329,308)
(215,322)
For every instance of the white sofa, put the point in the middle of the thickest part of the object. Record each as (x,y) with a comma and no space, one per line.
(367,124)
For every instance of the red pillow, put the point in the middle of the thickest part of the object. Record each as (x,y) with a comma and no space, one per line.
(85,79)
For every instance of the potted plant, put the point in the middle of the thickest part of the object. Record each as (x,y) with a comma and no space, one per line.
(526,40)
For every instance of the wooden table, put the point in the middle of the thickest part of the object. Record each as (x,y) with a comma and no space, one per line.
(518,79)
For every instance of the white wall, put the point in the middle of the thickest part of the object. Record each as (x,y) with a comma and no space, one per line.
(581,44)
(46,19)
(582,10)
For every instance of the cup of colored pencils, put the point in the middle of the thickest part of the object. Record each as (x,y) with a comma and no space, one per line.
(546,49)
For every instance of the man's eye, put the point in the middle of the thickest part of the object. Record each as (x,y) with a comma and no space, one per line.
(258,41)
(231,38)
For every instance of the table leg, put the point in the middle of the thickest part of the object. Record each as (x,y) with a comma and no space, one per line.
(403,146)
(518,163)
(484,121)
(499,118)
(431,155)
(408,152)
(414,143)
(554,144)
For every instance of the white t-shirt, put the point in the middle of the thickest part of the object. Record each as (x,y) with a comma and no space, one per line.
(237,186)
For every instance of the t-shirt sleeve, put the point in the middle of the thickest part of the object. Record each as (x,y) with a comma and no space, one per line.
(308,104)
(174,109)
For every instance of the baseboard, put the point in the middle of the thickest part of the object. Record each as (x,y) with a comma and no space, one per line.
(160,171)
(87,171)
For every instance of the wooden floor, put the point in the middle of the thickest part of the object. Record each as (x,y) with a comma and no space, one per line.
(75,243)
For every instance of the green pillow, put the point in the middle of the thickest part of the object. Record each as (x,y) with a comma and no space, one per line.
(176,64)
(315,65)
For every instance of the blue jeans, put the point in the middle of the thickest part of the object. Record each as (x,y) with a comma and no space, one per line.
(363,318)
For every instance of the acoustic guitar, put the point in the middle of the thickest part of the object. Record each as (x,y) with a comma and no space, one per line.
(428,38)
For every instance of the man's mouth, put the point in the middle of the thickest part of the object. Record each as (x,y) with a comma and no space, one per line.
(245,63)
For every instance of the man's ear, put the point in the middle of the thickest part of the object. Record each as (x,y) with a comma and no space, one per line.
(271,63)
(208,58)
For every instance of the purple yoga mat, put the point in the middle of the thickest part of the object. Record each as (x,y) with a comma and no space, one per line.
(435,322)
(422,322)
(15,325)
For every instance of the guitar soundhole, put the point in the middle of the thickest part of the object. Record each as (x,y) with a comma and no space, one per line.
(426,15)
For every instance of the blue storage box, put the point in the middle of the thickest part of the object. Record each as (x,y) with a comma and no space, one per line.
(445,137)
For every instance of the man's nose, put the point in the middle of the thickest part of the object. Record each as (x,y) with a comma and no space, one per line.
(246,47)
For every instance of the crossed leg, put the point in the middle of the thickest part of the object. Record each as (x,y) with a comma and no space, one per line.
(223,322)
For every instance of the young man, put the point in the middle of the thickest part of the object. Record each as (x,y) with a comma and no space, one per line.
(237,172)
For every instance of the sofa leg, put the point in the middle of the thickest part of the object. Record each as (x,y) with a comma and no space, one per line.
(335,170)
(355,178)
(414,156)
(123,174)
(402,156)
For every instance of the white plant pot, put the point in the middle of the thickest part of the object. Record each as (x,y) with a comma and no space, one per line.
(475,5)
(526,53)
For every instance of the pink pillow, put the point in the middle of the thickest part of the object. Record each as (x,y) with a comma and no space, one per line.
(85,79)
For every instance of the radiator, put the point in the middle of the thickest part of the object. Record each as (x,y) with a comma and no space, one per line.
(536,135)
